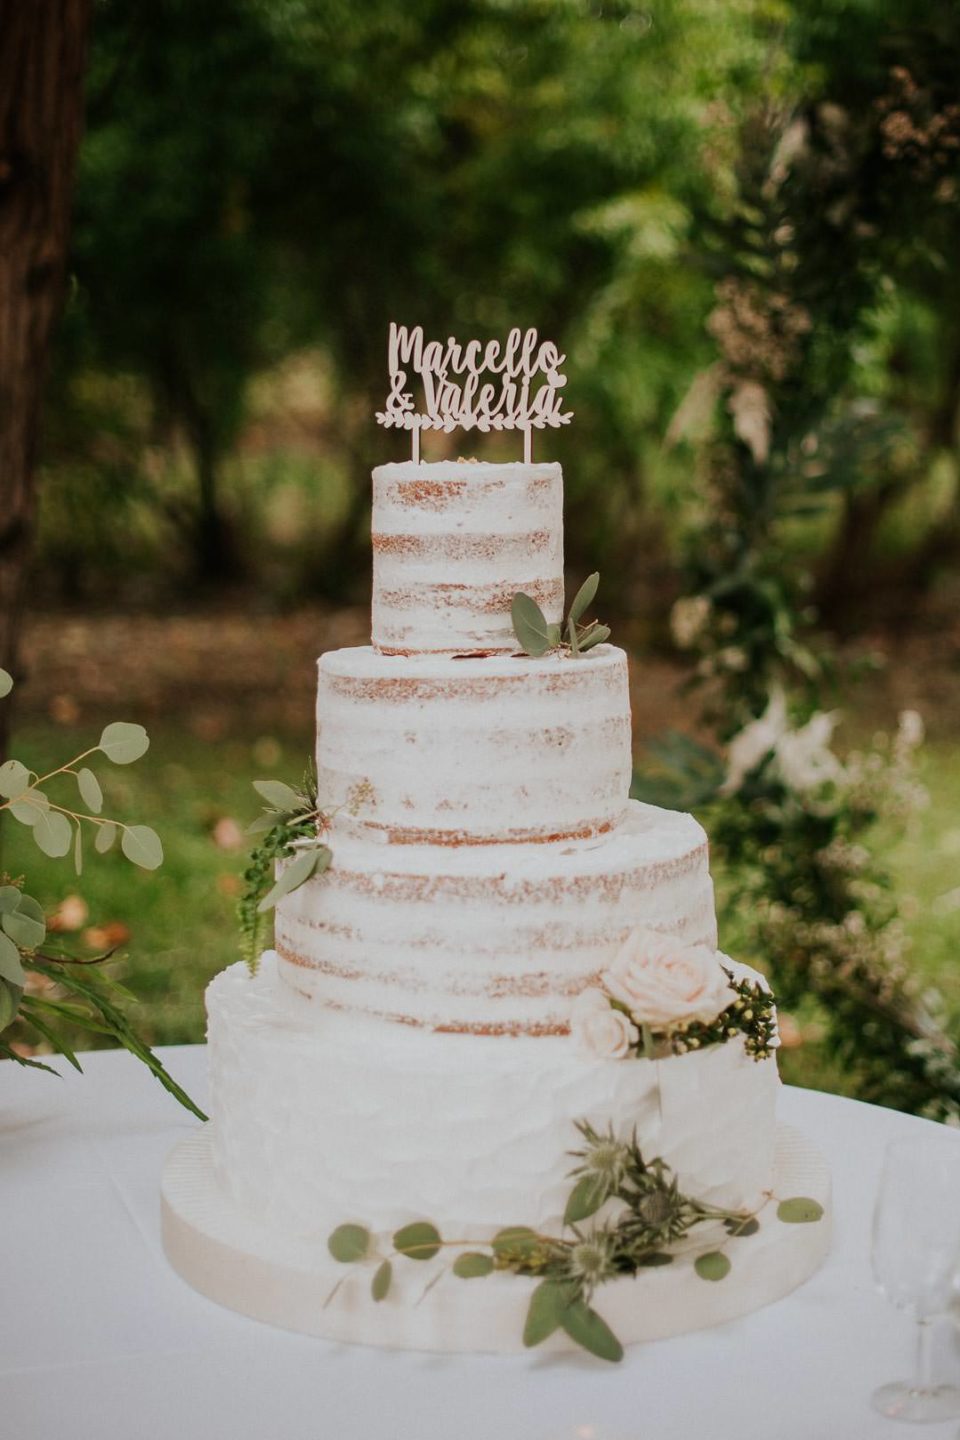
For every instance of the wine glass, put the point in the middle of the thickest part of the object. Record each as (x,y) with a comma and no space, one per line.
(916,1260)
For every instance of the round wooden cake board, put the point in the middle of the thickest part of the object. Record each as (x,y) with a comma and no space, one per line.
(287,1281)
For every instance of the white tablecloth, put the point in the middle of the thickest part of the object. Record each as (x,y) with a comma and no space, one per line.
(102,1341)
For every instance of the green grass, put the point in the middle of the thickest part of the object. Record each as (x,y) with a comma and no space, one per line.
(181,917)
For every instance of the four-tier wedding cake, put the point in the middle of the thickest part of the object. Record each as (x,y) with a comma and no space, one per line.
(500,946)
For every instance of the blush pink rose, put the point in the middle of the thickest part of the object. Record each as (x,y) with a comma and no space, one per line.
(665,983)
(600,1031)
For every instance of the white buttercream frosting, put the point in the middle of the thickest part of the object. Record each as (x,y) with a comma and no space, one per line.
(491,937)
(452,543)
(454,751)
(320,1118)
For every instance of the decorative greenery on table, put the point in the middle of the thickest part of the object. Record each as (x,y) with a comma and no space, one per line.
(653,1219)
(536,636)
(68,989)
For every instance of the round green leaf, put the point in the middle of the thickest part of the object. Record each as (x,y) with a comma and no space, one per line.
(712,1266)
(90,792)
(9,1002)
(547,1305)
(142,845)
(585,1198)
(29,806)
(419,1241)
(6,683)
(123,743)
(106,834)
(14,779)
(518,1240)
(279,796)
(799,1210)
(588,1329)
(380,1284)
(530,625)
(33,908)
(23,929)
(10,897)
(749,1225)
(10,966)
(472,1265)
(349,1243)
(53,833)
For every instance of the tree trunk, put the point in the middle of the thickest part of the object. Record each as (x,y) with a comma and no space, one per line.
(43,51)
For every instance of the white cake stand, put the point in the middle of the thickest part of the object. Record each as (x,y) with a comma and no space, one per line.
(287,1281)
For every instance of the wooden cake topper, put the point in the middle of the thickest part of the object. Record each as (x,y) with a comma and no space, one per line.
(453,396)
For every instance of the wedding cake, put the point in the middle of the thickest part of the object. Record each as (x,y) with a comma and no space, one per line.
(499,947)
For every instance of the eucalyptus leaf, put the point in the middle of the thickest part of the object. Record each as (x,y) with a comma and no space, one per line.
(105,836)
(263,822)
(591,1331)
(799,1210)
(742,1228)
(294,874)
(279,796)
(123,743)
(29,806)
(53,833)
(349,1243)
(6,683)
(548,1303)
(142,845)
(90,792)
(596,637)
(14,779)
(419,1241)
(585,1198)
(9,1002)
(33,908)
(530,625)
(584,597)
(554,636)
(9,898)
(655,1260)
(472,1265)
(380,1284)
(23,930)
(712,1266)
(78,850)
(10,967)
(515,1240)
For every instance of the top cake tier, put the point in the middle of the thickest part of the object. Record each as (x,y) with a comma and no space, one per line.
(453,542)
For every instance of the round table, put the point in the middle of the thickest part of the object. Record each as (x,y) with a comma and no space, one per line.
(102,1341)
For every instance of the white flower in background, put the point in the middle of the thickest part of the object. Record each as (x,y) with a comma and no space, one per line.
(804,757)
(911,729)
(754,742)
(665,983)
(599,1030)
(688,618)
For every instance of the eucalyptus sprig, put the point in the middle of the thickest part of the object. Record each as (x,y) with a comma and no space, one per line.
(653,1217)
(76,992)
(536,636)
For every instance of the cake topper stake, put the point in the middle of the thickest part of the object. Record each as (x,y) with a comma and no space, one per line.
(453,396)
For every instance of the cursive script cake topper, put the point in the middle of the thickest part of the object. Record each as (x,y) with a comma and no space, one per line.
(455,394)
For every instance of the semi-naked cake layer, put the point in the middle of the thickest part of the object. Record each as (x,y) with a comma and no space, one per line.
(320,1118)
(434,750)
(490,939)
(452,543)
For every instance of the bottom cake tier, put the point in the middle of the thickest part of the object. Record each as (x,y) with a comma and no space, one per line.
(321,1119)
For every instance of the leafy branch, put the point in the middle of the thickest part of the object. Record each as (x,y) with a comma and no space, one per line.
(536,636)
(654,1217)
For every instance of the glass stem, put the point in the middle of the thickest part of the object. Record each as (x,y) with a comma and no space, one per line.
(924,1381)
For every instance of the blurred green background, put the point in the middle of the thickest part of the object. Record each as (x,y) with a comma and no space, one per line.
(265,184)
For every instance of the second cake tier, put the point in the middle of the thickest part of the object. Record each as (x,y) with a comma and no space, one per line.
(435,750)
(492,939)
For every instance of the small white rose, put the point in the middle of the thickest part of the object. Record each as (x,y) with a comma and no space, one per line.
(665,983)
(599,1030)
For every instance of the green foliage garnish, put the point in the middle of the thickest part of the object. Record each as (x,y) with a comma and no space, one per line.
(80,994)
(289,824)
(653,1216)
(536,636)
